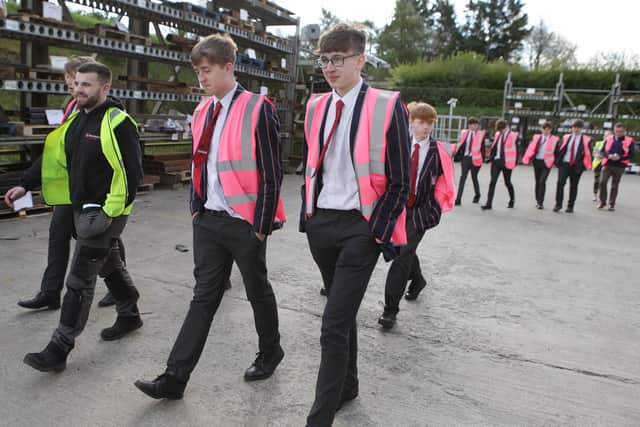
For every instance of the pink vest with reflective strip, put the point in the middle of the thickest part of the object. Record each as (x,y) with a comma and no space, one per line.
(71,106)
(510,152)
(236,164)
(445,188)
(549,150)
(586,159)
(476,145)
(625,147)
(368,157)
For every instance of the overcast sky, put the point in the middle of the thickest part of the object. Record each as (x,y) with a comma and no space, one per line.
(611,25)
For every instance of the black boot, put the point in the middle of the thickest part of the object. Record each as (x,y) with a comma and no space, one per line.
(388,319)
(50,301)
(122,327)
(51,359)
(107,300)
(264,365)
(166,386)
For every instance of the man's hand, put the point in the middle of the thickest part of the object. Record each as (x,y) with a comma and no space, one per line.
(14,194)
(195,214)
(261,237)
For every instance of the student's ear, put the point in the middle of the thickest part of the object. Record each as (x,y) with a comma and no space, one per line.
(106,88)
(229,67)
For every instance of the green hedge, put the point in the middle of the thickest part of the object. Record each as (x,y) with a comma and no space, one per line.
(472,70)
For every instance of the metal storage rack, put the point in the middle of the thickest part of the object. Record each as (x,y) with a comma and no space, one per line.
(36,38)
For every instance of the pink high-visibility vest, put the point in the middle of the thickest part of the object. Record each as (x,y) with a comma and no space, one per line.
(549,150)
(70,108)
(236,164)
(476,145)
(445,188)
(586,159)
(369,152)
(510,150)
(626,144)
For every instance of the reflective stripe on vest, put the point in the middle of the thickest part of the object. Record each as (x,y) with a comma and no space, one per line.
(510,151)
(626,144)
(236,157)
(369,154)
(476,145)
(597,154)
(586,158)
(55,177)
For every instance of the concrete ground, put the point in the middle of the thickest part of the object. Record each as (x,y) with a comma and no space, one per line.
(530,318)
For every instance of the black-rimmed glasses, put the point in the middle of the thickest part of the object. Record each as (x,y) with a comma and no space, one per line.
(336,60)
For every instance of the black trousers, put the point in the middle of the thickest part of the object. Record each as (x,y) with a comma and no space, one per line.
(615,173)
(61,230)
(466,166)
(573,174)
(596,178)
(97,251)
(346,253)
(498,167)
(541,173)
(218,241)
(402,268)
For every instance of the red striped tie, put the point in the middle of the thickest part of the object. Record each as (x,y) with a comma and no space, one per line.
(415,161)
(202,153)
(572,155)
(339,106)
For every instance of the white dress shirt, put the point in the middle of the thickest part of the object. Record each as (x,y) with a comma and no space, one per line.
(573,139)
(339,181)
(501,139)
(543,142)
(470,137)
(215,195)
(422,156)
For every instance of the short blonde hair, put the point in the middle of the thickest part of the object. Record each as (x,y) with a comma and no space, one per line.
(422,111)
(216,49)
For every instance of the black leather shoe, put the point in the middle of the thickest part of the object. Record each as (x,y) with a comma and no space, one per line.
(387,320)
(569,210)
(485,207)
(324,292)
(122,327)
(51,359)
(347,396)
(166,386)
(611,208)
(539,206)
(50,301)
(476,198)
(511,204)
(557,208)
(264,365)
(414,290)
(107,300)
(457,203)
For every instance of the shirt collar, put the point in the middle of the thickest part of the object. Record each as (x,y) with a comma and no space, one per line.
(349,99)
(422,143)
(226,100)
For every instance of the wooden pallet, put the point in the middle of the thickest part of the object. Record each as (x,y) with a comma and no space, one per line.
(34,130)
(28,17)
(106,31)
(181,177)
(38,209)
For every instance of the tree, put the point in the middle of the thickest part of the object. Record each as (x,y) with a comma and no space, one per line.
(445,36)
(403,40)
(614,61)
(495,28)
(327,20)
(547,49)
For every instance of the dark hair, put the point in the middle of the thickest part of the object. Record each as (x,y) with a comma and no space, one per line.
(547,125)
(473,121)
(216,49)
(342,38)
(577,124)
(620,125)
(501,124)
(72,65)
(103,72)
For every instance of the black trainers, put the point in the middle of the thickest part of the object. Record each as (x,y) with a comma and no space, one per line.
(166,386)
(122,327)
(107,300)
(51,359)
(264,365)
(415,289)
(348,394)
(49,301)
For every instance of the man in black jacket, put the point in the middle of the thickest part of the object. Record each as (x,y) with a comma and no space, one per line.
(101,149)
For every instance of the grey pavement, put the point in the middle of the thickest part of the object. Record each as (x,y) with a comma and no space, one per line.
(530,318)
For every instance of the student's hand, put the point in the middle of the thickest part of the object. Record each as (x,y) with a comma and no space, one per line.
(195,214)
(261,237)
(14,194)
